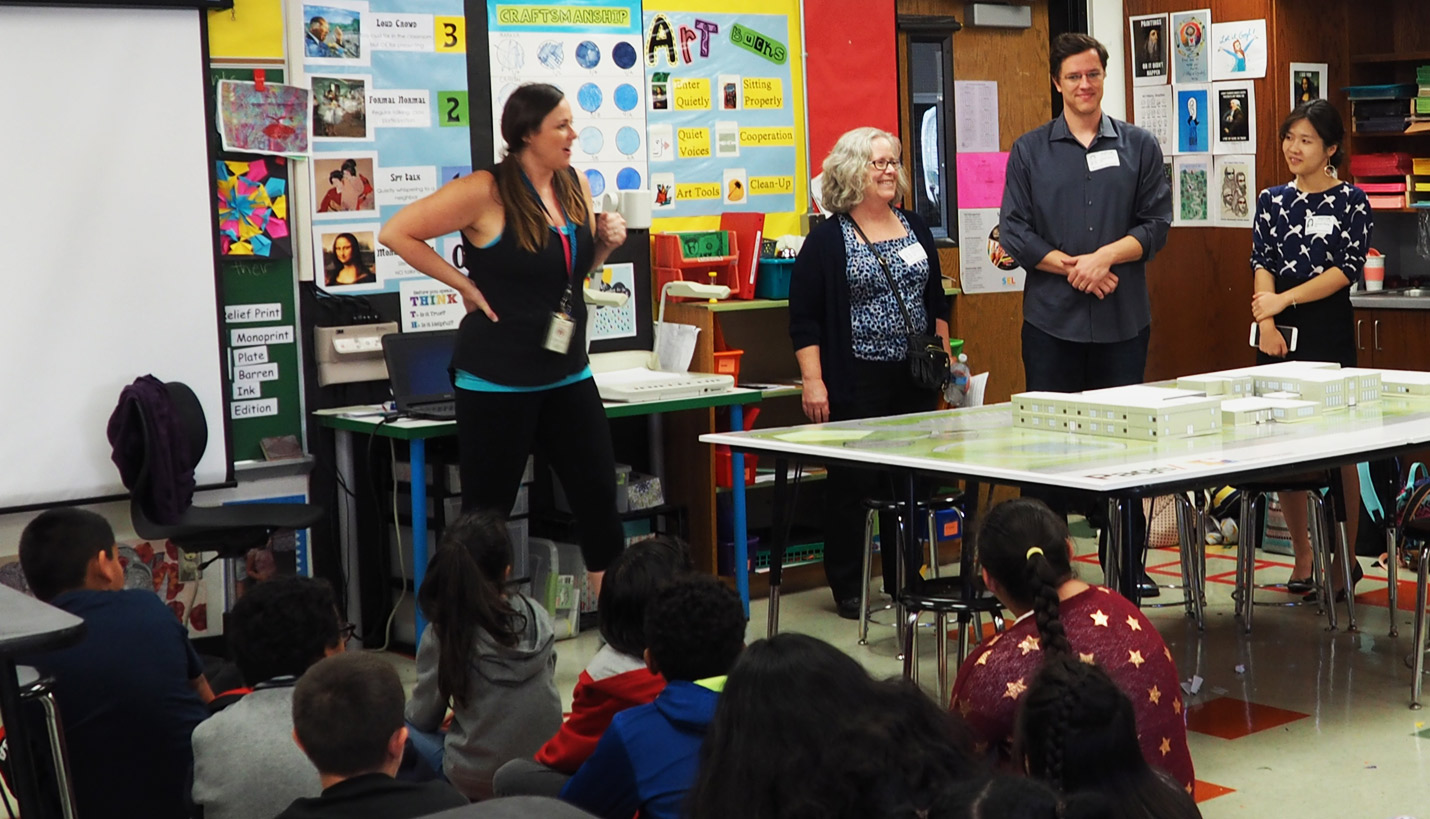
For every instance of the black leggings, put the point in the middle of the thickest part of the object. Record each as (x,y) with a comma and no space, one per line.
(566,426)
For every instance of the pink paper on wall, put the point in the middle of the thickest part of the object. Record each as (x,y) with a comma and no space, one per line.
(980,179)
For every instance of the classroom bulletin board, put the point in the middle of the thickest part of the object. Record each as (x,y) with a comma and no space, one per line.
(591,50)
(391,124)
(725,112)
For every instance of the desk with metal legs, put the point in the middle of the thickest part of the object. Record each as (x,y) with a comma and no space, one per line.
(417,432)
(982,444)
(27,627)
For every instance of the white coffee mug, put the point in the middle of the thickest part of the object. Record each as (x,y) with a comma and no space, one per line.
(633,206)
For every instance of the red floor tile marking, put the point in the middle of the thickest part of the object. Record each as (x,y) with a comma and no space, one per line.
(1205,791)
(1231,718)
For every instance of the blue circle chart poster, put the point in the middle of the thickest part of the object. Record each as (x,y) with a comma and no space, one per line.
(628,140)
(594,51)
(629,179)
(592,140)
(597,180)
(588,54)
(589,97)
(624,55)
(627,97)
(551,55)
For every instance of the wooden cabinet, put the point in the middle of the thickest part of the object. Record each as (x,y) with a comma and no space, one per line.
(760,328)
(1393,339)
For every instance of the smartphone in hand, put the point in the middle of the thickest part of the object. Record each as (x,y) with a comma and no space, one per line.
(1288,333)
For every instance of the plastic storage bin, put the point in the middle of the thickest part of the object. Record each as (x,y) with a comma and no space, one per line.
(773,279)
(723,478)
(727,362)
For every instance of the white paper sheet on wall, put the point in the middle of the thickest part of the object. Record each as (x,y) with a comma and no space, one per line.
(977,117)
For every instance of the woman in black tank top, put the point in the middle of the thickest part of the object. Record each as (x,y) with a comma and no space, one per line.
(531,237)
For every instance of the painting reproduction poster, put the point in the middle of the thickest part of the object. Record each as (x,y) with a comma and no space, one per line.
(1149,49)
(1234,189)
(1235,117)
(1238,50)
(1190,31)
(1190,113)
(1190,176)
(272,121)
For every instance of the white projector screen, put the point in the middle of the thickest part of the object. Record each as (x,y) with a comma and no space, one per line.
(106,238)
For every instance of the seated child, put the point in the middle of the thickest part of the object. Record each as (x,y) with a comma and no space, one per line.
(132,690)
(649,757)
(1077,731)
(616,678)
(276,631)
(803,730)
(488,652)
(347,718)
(1025,553)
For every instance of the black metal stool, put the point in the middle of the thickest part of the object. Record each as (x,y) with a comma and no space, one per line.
(1323,539)
(963,596)
(873,506)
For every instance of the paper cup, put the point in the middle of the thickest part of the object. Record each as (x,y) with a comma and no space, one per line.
(1374,273)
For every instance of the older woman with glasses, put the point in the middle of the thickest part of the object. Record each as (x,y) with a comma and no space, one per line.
(849,331)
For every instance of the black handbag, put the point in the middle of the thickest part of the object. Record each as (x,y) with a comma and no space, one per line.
(928,363)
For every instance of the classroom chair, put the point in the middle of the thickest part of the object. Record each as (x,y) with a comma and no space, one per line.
(1323,540)
(230,531)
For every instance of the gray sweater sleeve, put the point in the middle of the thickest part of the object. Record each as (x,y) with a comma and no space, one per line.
(427,707)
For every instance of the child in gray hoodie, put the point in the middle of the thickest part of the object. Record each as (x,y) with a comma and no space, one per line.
(488,652)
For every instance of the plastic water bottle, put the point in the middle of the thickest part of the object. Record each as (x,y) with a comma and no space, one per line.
(957,386)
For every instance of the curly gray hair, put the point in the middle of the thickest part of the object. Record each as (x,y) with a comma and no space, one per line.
(846,169)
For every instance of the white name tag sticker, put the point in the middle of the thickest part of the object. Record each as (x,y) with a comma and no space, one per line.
(1097,160)
(913,254)
(1320,225)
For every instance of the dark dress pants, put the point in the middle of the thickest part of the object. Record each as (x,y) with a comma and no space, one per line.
(1055,365)
(880,388)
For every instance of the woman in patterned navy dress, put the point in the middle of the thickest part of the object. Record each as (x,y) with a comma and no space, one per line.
(1308,245)
(849,334)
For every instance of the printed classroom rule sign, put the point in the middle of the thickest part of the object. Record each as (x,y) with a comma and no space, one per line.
(591,50)
(721,113)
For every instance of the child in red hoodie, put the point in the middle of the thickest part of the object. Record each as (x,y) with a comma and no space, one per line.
(616,678)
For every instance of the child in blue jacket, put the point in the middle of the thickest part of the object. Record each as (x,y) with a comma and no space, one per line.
(649,757)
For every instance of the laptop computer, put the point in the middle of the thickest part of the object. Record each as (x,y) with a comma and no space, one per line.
(417,366)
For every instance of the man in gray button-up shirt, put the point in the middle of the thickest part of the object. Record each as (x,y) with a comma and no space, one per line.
(1085,207)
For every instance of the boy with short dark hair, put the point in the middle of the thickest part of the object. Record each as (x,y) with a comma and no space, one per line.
(129,693)
(615,679)
(347,718)
(648,759)
(275,631)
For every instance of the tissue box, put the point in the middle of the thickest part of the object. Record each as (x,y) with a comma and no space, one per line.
(643,491)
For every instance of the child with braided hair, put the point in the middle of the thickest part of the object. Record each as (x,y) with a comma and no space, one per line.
(1025,553)
(1077,731)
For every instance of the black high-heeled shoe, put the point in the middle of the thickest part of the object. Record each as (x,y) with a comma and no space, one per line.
(1356,574)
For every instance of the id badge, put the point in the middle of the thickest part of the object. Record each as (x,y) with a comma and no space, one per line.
(1320,225)
(559,332)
